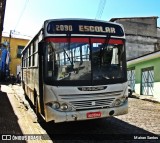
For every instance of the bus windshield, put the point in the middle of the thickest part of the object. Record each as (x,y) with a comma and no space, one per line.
(82,58)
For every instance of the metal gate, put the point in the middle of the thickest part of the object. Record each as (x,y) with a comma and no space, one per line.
(147,81)
(131,78)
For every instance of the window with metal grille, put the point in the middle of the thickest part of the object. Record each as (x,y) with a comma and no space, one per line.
(20,48)
(131,78)
(147,82)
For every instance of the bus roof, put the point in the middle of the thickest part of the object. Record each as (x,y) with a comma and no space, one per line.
(80,26)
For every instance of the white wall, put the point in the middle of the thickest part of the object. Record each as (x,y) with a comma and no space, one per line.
(18,69)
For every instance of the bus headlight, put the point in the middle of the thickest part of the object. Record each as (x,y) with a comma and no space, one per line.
(60,106)
(119,101)
(55,105)
(64,107)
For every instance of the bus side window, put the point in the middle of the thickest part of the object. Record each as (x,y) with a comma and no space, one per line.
(55,69)
(50,68)
(50,65)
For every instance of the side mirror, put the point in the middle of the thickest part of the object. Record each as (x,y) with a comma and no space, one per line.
(41,47)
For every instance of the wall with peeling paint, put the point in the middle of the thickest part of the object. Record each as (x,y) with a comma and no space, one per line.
(142,35)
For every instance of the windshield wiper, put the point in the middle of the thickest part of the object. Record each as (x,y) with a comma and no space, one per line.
(67,56)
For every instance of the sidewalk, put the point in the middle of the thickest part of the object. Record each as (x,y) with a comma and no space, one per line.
(16,119)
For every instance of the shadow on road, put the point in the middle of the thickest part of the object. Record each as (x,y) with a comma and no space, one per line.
(8,120)
(101,130)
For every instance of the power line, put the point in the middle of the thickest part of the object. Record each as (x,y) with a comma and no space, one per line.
(25,5)
(16,33)
(101,7)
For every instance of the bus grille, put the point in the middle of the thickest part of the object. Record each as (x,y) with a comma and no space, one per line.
(90,96)
(91,101)
(92,104)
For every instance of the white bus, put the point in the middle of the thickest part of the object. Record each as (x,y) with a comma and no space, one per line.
(75,69)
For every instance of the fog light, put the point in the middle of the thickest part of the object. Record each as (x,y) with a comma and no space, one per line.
(55,105)
(64,106)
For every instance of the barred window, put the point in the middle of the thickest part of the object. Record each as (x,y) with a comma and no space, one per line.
(20,48)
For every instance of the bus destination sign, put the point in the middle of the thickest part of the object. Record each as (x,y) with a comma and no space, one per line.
(84,27)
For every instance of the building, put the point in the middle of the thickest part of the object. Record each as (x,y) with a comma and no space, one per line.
(143,74)
(142,35)
(16,46)
(2,13)
(143,54)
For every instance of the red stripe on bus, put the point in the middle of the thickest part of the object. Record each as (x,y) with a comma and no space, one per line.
(84,40)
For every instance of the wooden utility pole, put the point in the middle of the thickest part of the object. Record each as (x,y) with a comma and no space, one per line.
(10,36)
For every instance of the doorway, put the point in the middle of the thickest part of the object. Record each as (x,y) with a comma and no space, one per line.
(147,81)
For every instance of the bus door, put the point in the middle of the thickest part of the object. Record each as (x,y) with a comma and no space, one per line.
(41,65)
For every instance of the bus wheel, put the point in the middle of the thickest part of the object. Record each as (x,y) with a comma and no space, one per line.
(129,93)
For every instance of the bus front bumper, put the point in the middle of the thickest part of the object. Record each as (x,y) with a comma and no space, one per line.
(58,116)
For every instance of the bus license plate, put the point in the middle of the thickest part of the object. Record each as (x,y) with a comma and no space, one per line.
(93,114)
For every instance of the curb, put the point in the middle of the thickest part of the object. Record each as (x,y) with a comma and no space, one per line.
(150,100)
(137,96)
(20,96)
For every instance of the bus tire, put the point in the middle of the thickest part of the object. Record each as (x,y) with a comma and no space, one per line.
(129,93)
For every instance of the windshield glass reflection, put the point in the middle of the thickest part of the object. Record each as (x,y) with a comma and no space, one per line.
(107,61)
(84,59)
